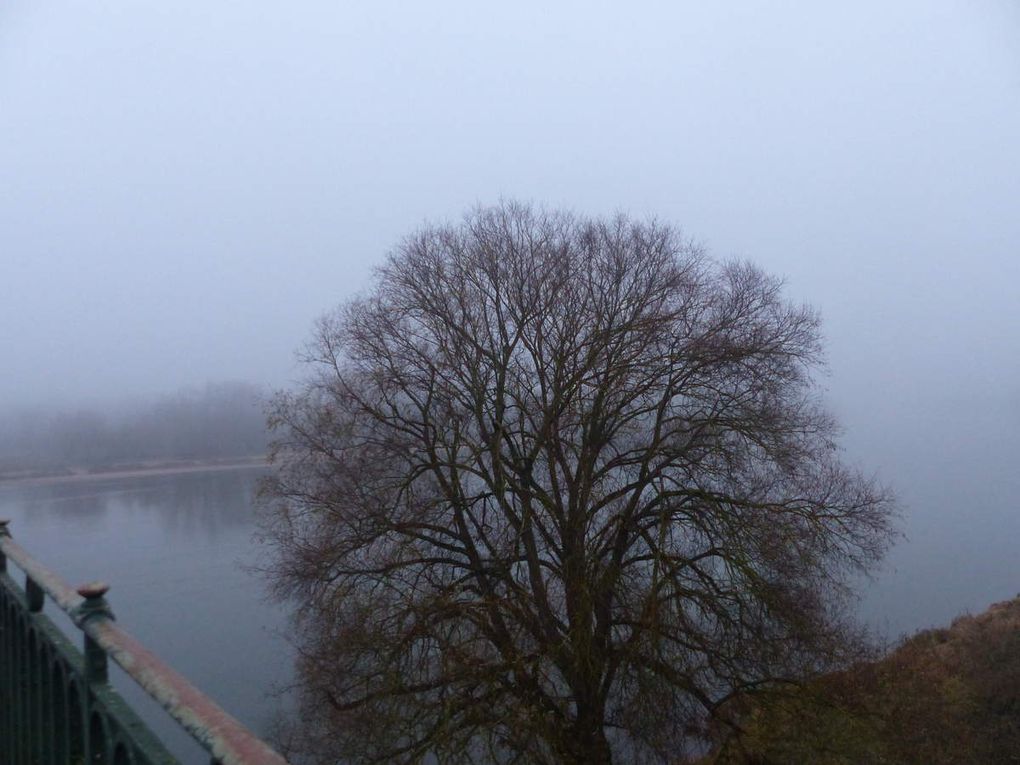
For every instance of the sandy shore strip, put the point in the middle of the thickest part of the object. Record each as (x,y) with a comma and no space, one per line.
(141,471)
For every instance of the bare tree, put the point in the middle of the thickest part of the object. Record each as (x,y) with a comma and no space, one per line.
(555,490)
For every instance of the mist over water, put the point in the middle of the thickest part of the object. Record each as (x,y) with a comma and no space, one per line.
(953,463)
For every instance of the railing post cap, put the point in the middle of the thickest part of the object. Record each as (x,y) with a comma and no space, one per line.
(93,590)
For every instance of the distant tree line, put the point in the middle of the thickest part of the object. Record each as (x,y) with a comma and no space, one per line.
(218,421)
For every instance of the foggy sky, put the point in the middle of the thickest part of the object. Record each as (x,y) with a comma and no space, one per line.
(184,187)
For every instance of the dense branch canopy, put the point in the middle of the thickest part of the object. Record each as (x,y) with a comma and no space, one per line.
(554,491)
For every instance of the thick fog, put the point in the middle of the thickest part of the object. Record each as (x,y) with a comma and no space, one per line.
(184,187)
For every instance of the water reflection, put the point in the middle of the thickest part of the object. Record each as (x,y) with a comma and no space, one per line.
(79,506)
(177,551)
(193,504)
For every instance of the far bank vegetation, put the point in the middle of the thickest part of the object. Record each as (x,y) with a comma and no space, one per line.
(221,421)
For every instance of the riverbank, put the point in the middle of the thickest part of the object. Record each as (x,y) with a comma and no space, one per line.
(133,470)
(944,696)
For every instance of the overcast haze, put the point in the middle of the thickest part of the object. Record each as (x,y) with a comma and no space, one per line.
(184,187)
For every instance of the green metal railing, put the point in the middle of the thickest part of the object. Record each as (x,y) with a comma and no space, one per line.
(56,703)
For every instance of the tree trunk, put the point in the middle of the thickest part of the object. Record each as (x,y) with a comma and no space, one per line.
(587,744)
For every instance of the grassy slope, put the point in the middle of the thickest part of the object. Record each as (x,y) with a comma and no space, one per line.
(943,696)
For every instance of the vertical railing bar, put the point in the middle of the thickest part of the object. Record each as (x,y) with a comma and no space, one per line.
(6,661)
(32,695)
(45,706)
(21,723)
(7,713)
(34,594)
(4,701)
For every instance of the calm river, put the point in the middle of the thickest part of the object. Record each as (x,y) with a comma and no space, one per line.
(176,550)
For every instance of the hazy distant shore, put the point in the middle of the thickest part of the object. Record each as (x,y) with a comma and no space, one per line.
(164,467)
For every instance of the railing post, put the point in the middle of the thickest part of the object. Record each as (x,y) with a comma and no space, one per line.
(95,606)
(96,666)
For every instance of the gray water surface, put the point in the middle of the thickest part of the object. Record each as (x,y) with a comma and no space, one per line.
(177,551)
